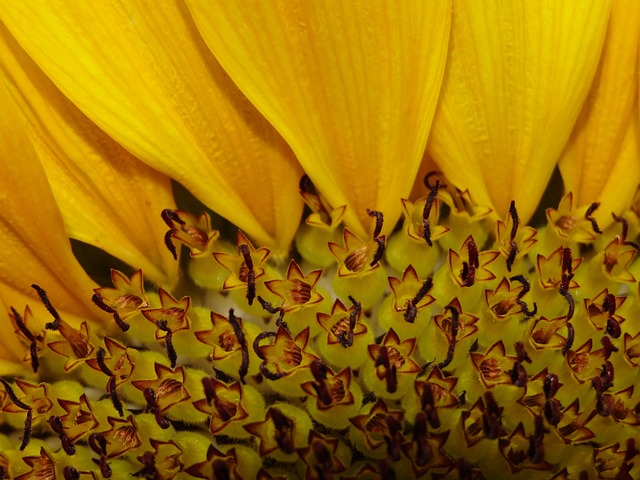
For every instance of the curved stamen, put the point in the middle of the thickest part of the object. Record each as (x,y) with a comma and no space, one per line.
(168,342)
(587,216)
(251,274)
(426,223)
(237,329)
(47,304)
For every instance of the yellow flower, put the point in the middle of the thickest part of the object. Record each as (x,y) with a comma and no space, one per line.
(465,340)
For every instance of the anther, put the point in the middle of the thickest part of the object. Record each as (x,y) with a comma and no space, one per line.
(552,411)
(115,400)
(536,446)
(551,385)
(168,342)
(69,473)
(521,353)
(237,329)
(570,336)
(426,223)
(428,406)
(379,221)
(284,430)
(149,469)
(491,417)
(97,300)
(613,328)
(468,273)
(272,310)
(587,216)
(33,347)
(263,365)
(411,310)
(319,372)
(100,359)
(171,216)
(47,304)
(393,446)
(609,347)
(152,407)
(518,375)
(251,274)
(424,452)
(512,236)
(569,298)
(12,395)
(567,262)
(98,444)
(169,243)
(379,251)
(55,423)
(26,438)
(390,371)
(625,231)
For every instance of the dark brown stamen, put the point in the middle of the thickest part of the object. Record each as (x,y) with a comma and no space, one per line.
(570,336)
(69,473)
(411,310)
(594,225)
(393,439)
(55,423)
(567,261)
(26,438)
(379,221)
(424,452)
(98,444)
(100,359)
(263,366)
(553,411)
(168,342)
(152,407)
(33,347)
(284,430)
(613,328)
(97,299)
(428,405)
(273,310)
(47,304)
(609,347)
(242,341)
(171,216)
(390,373)
(426,223)
(115,400)
(625,231)
(491,423)
(319,372)
(609,304)
(512,236)
(251,274)
(12,395)
(518,375)
(169,243)
(536,446)
(149,469)
(379,251)
(468,273)
(551,385)
(569,298)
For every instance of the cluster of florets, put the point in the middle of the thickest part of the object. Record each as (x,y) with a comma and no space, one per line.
(443,352)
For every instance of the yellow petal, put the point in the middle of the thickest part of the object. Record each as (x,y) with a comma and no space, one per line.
(351,86)
(35,248)
(106,196)
(601,161)
(516,77)
(140,71)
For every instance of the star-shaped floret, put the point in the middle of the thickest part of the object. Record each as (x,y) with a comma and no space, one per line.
(298,291)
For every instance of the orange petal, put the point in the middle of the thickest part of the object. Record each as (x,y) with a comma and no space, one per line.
(35,246)
(107,197)
(143,75)
(516,78)
(351,86)
(601,162)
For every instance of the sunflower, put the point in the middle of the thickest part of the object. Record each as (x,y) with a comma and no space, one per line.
(459,299)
